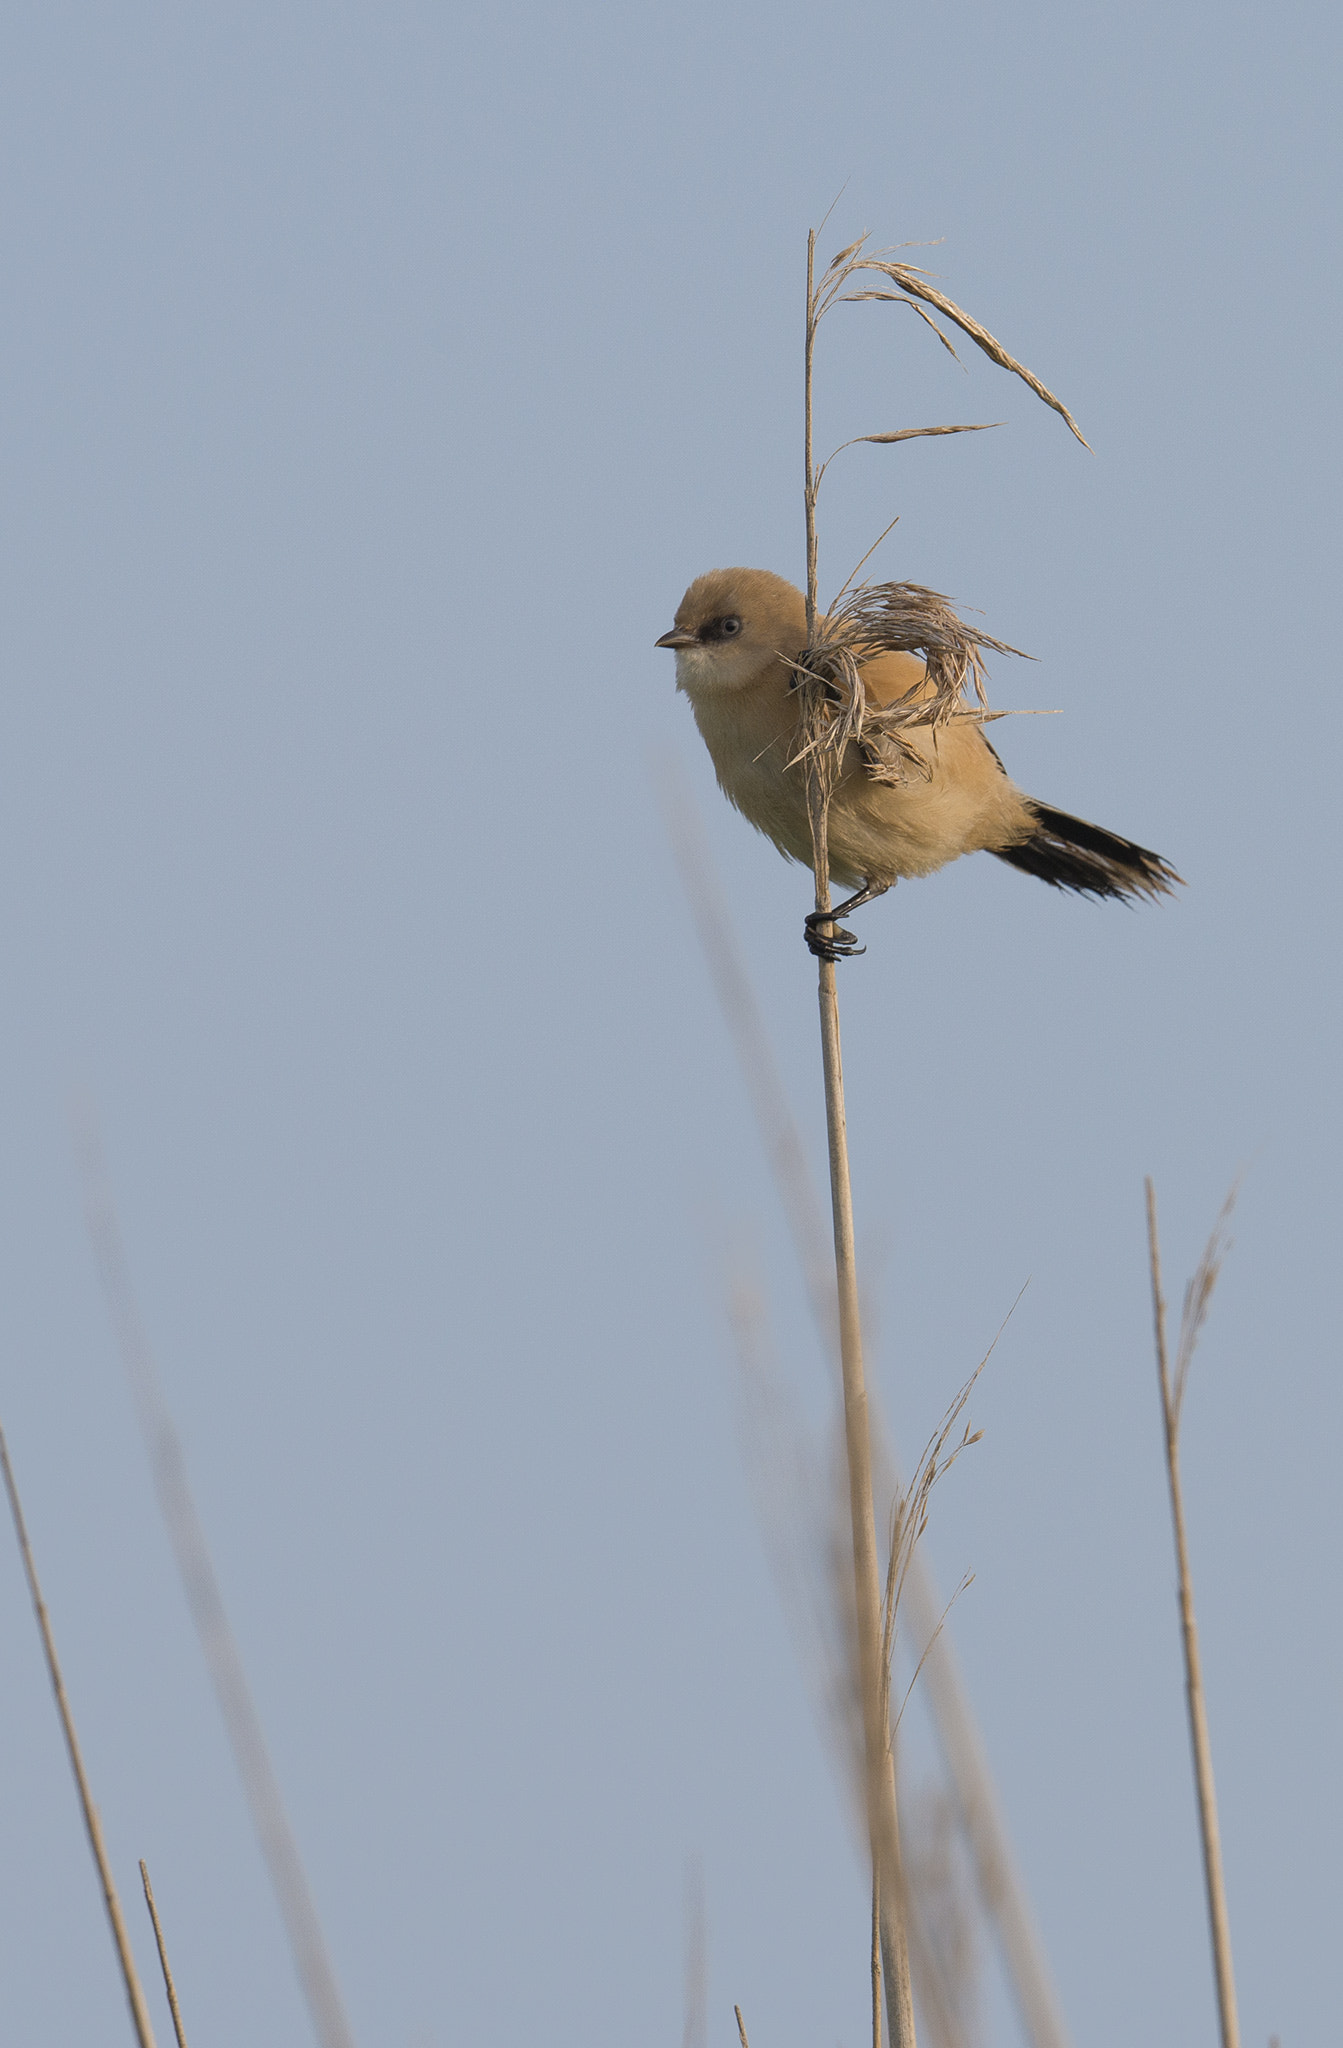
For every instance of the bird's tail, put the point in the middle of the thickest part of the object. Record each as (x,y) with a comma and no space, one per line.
(1071,854)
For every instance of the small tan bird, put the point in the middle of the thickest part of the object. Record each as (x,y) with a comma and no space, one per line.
(736,636)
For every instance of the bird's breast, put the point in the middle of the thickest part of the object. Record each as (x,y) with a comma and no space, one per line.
(751,738)
(953,799)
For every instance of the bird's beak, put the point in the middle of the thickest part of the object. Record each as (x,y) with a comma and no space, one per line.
(678,637)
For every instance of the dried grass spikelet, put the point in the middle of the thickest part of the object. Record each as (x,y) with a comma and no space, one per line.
(882,618)
(915,291)
(909,1519)
(1197,1300)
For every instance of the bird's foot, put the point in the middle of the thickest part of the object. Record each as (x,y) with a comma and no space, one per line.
(828,940)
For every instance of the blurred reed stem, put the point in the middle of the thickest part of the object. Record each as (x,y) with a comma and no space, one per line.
(307,1943)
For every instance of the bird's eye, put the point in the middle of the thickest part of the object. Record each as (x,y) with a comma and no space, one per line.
(729,627)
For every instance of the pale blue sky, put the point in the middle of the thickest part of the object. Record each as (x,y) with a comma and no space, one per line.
(372,382)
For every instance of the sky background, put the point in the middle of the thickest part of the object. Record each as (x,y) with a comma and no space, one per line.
(372,382)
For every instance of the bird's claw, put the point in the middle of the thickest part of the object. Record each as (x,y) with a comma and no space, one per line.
(834,944)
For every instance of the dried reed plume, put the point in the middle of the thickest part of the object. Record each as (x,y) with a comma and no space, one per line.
(1197,1296)
(130,1976)
(831,717)
(909,1523)
(168,1984)
(874,619)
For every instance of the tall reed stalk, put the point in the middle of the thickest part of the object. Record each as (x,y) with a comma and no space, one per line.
(121,1941)
(833,719)
(883,1819)
(1197,1297)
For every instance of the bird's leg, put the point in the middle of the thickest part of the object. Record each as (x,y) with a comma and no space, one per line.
(826,936)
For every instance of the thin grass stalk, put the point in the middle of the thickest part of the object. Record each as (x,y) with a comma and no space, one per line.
(168,1984)
(298,1911)
(130,1976)
(811,484)
(1000,1886)
(1219,1924)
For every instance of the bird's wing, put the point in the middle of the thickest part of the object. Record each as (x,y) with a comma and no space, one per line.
(888,677)
(962,748)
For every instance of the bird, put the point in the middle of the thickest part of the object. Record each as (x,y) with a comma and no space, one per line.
(736,637)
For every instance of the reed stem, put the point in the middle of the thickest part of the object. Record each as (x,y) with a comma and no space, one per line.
(1219,1924)
(168,1984)
(130,1976)
(883,1818)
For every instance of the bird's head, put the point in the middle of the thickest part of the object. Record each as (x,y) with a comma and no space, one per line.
(732,626)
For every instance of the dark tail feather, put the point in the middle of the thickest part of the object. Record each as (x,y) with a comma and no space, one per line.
(1071,854)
